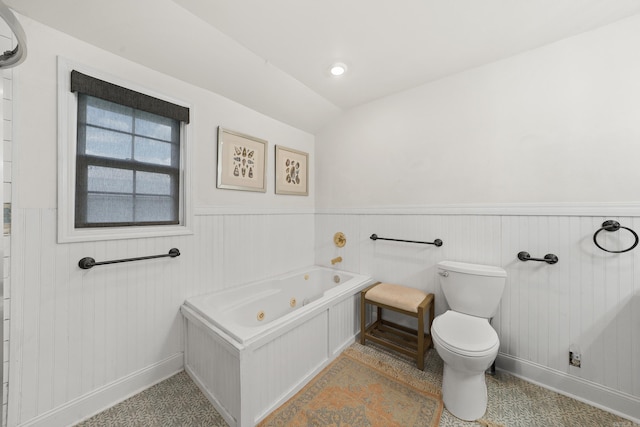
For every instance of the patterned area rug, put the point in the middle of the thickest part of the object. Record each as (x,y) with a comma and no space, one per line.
(359,390)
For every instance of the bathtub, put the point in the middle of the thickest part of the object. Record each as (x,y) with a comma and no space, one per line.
(252,347)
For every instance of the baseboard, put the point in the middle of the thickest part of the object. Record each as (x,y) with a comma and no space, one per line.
(622,404)
(104,397)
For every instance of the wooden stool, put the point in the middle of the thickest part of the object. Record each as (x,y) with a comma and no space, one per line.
(402,299)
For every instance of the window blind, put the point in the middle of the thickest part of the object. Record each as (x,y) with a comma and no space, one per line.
(123,96)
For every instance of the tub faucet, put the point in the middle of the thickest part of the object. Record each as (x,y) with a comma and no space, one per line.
(336,260)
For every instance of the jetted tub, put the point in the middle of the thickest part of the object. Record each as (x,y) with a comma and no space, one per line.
(252,347)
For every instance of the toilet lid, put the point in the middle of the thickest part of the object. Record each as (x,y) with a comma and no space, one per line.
(464,334)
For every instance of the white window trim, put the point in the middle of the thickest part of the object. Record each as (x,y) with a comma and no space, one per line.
(67,145)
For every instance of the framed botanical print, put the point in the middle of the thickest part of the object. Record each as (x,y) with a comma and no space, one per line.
(292,171)
(242,161)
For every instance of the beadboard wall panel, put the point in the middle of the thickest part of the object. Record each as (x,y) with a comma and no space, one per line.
(214,366)
(259,246)
(473,238)
(325,249)
(77,332)
(277,379)
(344,324)
(6,82)
(590,298)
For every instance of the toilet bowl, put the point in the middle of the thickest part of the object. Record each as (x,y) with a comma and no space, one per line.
(468,345)
(463,336)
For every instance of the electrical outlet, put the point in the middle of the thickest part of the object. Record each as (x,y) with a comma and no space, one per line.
(575,359)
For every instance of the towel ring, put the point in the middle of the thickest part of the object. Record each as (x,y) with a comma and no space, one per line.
(611,225)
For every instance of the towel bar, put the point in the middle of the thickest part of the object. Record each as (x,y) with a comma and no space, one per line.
(548,258)
(436,242)
(88,262)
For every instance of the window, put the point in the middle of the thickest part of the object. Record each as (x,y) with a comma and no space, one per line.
(122,161)
(127,166)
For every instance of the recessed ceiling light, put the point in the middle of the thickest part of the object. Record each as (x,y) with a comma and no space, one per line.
(338,69)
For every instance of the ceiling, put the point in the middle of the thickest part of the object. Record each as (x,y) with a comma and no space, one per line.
(273,56)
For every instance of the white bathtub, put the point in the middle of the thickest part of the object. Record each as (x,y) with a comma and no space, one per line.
(252,347)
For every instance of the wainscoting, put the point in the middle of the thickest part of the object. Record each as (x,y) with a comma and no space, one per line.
(81,340)
(590,298)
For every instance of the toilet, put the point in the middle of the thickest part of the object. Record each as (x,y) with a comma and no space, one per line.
(463,337)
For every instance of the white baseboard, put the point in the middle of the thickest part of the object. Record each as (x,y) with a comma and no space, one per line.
(104,397)
(624,405)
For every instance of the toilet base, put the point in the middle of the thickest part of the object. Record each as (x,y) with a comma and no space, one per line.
(464,394)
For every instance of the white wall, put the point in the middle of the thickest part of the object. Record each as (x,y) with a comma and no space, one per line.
(531,153)
(82,340)
(556,124)
(36,85)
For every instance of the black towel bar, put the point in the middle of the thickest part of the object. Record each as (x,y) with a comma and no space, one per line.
(88,262)
(548,258)
(436,242)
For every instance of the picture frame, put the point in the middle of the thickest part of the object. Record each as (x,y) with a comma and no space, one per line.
(242,161)
(292,171)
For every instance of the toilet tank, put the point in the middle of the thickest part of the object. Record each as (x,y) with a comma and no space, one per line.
(472,289)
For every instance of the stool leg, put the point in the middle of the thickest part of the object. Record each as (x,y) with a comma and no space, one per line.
(420,355)
(363,318)
(431,314)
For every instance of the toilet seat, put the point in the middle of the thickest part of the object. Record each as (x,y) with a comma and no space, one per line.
(464,334)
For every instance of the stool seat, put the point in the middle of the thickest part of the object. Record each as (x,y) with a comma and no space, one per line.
(398,296)
(401,299)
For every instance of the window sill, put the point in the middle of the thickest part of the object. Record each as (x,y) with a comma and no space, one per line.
(116,233)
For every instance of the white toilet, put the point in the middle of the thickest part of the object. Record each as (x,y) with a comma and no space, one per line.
(463,337)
